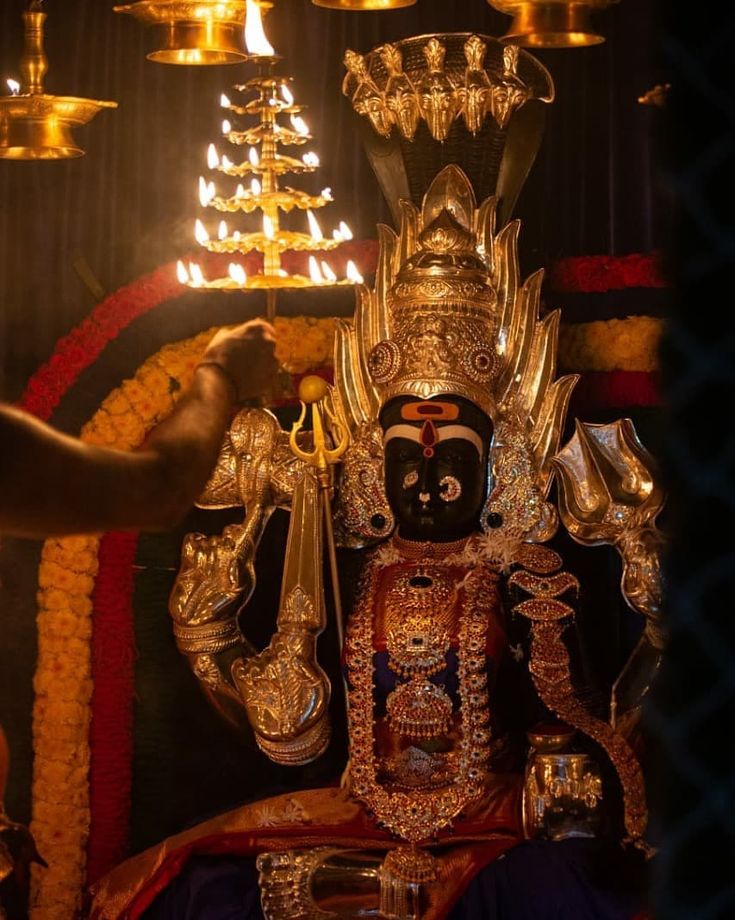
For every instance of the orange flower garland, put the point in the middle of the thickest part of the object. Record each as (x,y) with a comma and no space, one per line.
(63,685)
(63,682)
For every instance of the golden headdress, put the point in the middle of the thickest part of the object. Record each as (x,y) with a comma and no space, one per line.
(449,315)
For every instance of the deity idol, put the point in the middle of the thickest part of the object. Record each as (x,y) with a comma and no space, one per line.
(467,739)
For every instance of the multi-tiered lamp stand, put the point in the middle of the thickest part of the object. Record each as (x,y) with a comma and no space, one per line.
(270,97)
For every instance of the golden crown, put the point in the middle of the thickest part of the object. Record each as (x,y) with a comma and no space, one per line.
(449,315)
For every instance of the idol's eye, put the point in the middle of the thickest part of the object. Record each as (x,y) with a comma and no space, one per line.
(407,454)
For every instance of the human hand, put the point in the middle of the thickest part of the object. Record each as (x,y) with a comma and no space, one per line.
(246,353)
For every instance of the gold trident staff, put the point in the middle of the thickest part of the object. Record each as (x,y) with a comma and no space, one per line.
(312,392)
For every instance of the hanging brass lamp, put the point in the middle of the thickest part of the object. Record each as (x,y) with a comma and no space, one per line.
(193,32)
(33,124)
(357,5)
(551,23)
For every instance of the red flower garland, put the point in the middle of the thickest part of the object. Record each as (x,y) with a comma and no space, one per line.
(597,274)
(113,691)
(82,346)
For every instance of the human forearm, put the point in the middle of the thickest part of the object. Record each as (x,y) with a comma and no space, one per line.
(51,483)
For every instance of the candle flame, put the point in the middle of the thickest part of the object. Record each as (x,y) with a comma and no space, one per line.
(226,161)
(336,235)
(255,187)
(197,278)
(206,192)
(299,124)
(353,274)
(238,274)
(212,157)
(344,231)
(181,273)
(236,235)
(200,232)
(310,159)
(255,39)
(287,94)
(222,230)
(314,273)
(240,190)
(328,273)
(13,86)
(327,194)
(253,157)
(268,227)
(314,228)
(224,101)
(226,126)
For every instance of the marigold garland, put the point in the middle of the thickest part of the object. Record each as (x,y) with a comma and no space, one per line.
(629,344)
(63,679)
(596,274)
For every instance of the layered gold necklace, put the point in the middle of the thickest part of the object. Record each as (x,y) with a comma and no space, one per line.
(420,598)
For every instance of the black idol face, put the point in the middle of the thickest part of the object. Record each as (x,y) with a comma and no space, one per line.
(435,466)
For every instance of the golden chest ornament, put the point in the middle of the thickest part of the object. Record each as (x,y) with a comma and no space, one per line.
(417,625)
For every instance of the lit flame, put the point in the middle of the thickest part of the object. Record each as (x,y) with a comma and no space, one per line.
(255,187)
(310,159)
(237,273)
(197,278)
(328,273)
(236,235)
(200,232)
(282,273)
(336,235)
(314,228)
(181,273)
(268,227)
(212,157)
(299,124)
(327,194)
(240,190)
(314,273)
(224,101)
(253,157)
(226,126)
(344,231)
(255,39)
(206,191)
(226,161)
(13,86)
(287,94)
(352,273)
(222,230)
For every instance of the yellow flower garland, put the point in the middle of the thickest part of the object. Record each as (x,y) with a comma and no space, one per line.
(629,344)
(63,681)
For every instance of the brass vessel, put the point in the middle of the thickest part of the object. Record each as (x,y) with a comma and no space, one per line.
(551,23)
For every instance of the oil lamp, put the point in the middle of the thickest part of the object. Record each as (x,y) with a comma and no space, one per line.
(194,32)
(35,125)
(278,124)
(551,23)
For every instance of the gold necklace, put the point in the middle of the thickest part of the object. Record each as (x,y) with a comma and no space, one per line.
(418,814)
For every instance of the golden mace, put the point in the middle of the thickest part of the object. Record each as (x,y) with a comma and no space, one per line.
(314,391)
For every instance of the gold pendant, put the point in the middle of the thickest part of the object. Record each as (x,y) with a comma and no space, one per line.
(419,709)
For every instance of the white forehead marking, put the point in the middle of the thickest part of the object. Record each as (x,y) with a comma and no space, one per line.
(445,433)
